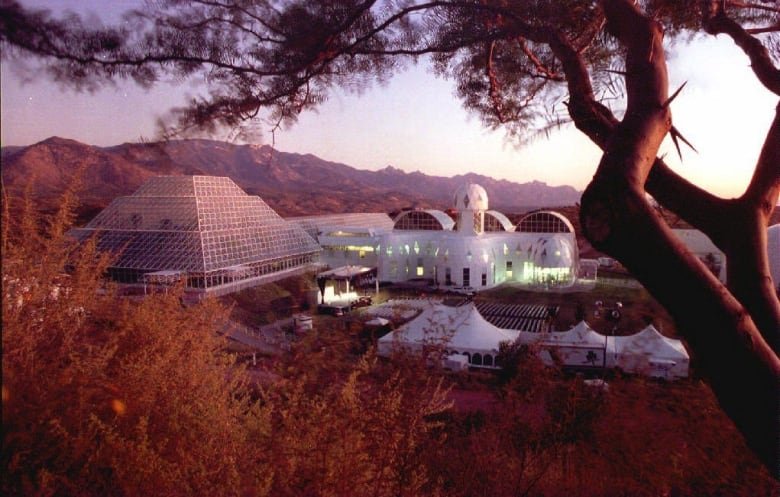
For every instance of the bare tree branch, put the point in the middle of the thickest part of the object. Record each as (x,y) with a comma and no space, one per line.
(617,219)
(716,21)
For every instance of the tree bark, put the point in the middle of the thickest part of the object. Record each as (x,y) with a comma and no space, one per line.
(716,21)
(617,219)
(736,226)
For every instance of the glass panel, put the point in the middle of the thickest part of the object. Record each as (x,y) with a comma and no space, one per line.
(196,224)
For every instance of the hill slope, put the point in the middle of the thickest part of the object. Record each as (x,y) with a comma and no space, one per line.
(293,184)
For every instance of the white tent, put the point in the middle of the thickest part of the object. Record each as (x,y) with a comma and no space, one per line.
(650,353)
(579,347)
(377,321)
(457,330)
(456,362)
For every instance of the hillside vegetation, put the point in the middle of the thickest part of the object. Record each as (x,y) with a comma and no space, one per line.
(104,395)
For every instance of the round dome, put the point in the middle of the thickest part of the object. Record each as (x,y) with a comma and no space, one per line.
(553,252)
(471,197)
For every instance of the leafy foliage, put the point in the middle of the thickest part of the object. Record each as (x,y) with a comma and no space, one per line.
(256,55)
(510,61)
(103,395)
(106,395)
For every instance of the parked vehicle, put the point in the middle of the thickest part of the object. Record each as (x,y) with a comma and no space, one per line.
(362,301)
(464,290)
(302,322)
(333,310)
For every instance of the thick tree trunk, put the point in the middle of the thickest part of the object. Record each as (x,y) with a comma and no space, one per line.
(616,217)
(738,227)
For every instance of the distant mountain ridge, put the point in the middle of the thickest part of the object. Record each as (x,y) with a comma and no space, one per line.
(292,183)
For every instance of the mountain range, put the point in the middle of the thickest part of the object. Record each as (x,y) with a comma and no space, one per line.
(291,183)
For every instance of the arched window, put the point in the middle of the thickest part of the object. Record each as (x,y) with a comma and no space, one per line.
(476,359)
(487,360)
(545,222)
(426,220)
(496,221)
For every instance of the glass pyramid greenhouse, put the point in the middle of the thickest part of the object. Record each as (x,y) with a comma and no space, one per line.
(204,229)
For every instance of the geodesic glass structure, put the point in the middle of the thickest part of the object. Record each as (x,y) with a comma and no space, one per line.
(201,229)
(322,223)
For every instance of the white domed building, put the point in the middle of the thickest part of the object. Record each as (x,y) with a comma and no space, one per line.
(477,250)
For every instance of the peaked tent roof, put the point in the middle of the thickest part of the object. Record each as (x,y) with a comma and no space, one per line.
(650,353)
(650,340)
(581,334)
(456,328)
(195,224)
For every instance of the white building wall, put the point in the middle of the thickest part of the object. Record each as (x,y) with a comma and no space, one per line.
(404,254)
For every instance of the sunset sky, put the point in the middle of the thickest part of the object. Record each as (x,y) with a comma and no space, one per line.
(416,123)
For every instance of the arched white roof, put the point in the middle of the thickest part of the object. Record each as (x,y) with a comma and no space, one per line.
(553,251)
(425,219)
(545,222)
(471,197)
(502,220)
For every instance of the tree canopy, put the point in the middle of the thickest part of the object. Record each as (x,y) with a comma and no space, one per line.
(516,64)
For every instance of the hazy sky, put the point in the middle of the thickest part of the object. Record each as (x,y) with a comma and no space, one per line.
(416,123)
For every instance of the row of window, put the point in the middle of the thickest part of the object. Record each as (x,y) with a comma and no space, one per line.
(477,359)
(222,277)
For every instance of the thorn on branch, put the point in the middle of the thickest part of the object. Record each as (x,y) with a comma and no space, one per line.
(675,135)
(674,95)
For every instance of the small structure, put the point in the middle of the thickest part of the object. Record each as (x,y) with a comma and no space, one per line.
(577,348)
(456,362)
(377,321)
(451,330)
(649,353)
(339,285)
(302,323)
